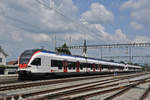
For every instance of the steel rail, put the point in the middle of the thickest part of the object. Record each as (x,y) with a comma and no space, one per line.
(123,88)
(126,89)
(119,78)
(145,94)
(27,85)
(83,89)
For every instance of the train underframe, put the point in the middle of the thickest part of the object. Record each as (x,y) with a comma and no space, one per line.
(27,75)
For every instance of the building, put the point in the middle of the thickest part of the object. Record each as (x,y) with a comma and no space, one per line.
(3,56)
(12,63)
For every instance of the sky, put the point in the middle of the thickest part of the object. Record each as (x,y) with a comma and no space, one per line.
(28,24)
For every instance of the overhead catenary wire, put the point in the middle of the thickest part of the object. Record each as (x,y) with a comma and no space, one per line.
(57,12)
(77,22)
(17,20)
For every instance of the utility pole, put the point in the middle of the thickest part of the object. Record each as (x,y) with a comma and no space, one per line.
(101,53)
(84,49)
(130,54)
(110,52)
(52,4)
(70,41)
(55,42)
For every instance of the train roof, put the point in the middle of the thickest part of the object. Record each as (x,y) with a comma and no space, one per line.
(133,66)
(82,58)
(105,62)
(46,51)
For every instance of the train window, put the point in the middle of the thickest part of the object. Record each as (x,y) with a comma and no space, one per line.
(74,65)
(56,63)
(84,65)
(53,63)
(106,66)
(89,65)
(71,65)
(36,61)
(70,68)
(81,65)
(96,66)
(59,63)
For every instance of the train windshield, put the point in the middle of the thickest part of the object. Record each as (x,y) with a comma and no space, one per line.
(25,56)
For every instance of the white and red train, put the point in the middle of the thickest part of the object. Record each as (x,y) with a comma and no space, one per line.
(39,62)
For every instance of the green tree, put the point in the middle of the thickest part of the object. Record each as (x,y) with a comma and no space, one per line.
(64,49)
(146,67)
(122,62)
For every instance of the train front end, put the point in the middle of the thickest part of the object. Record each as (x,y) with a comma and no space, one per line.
(25,69)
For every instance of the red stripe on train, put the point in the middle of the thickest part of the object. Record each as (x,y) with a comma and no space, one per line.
(22,65)
(34,54)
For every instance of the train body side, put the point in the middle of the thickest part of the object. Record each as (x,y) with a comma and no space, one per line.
(45,62)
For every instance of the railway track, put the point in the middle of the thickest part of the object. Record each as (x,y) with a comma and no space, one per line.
(12,79)
(141,91)
(48,82)
(126,89)
(66,91)
(121,89)
(145,94)
(45,82)
(13,82)
(6,79)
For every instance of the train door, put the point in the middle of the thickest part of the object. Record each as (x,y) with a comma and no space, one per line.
(77,66)
(100,67)
(65,66)
(45,64)
(94,67)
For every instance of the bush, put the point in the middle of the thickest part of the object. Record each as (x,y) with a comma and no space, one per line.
(3,66)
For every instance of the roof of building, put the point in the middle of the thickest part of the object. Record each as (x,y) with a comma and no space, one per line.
(1,50)
(12,62)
